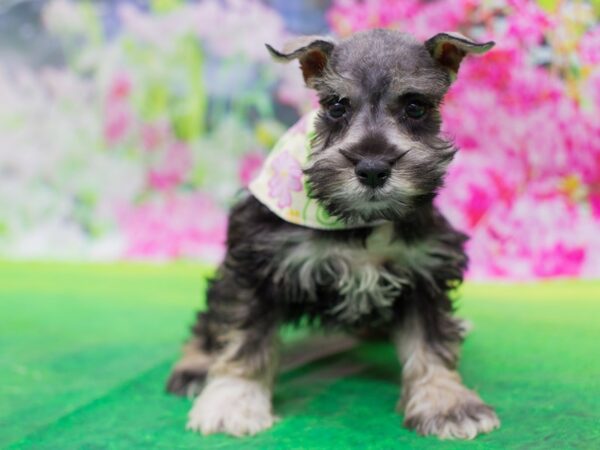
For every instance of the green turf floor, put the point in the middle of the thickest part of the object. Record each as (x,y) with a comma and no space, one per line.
(85,351)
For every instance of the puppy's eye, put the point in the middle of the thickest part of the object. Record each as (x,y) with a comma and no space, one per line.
(415,109)
(337,110)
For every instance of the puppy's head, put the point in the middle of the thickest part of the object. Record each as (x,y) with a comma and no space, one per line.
(377,153)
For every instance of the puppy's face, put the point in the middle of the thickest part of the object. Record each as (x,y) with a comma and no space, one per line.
(377,153)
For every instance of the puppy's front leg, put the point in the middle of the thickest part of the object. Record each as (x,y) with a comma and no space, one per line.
(237,396)
(434,400)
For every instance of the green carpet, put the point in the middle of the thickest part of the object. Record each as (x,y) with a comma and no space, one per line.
(85,351)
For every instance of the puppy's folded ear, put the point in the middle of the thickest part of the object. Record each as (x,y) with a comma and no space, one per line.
(312,51)
(449,49)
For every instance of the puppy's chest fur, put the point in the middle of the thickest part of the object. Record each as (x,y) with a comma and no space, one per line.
(354,280)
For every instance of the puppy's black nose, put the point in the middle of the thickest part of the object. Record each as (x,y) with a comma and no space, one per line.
(372,172)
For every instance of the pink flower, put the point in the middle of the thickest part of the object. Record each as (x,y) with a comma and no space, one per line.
(592,86)
(119,88)
(172,168)
(182,226)
(424,19)
(589,47)
(286,178)
(118,117)
(476,184)
(249,166)
(117,123)
(595,203)
(537,237)
(436,16)
(527,22)
(349,16)
(155,135)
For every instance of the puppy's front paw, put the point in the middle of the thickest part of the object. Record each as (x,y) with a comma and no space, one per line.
(232,405)
(451,413)
(464,421)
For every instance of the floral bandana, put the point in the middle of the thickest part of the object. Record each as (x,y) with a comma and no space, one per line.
(282,187)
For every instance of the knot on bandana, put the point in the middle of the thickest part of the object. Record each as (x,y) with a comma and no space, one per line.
(282,186)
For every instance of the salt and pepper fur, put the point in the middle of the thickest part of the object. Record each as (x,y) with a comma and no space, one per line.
(392,278)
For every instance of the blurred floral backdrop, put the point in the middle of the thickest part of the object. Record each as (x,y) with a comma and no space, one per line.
(128,127)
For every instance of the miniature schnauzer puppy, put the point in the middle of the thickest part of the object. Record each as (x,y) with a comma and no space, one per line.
(376,163)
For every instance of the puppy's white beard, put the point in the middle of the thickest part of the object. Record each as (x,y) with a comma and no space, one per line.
(393,199)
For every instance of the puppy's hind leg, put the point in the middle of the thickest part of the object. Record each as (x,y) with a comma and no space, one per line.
(189,373)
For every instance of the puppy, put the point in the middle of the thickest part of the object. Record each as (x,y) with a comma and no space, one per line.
(340,228)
